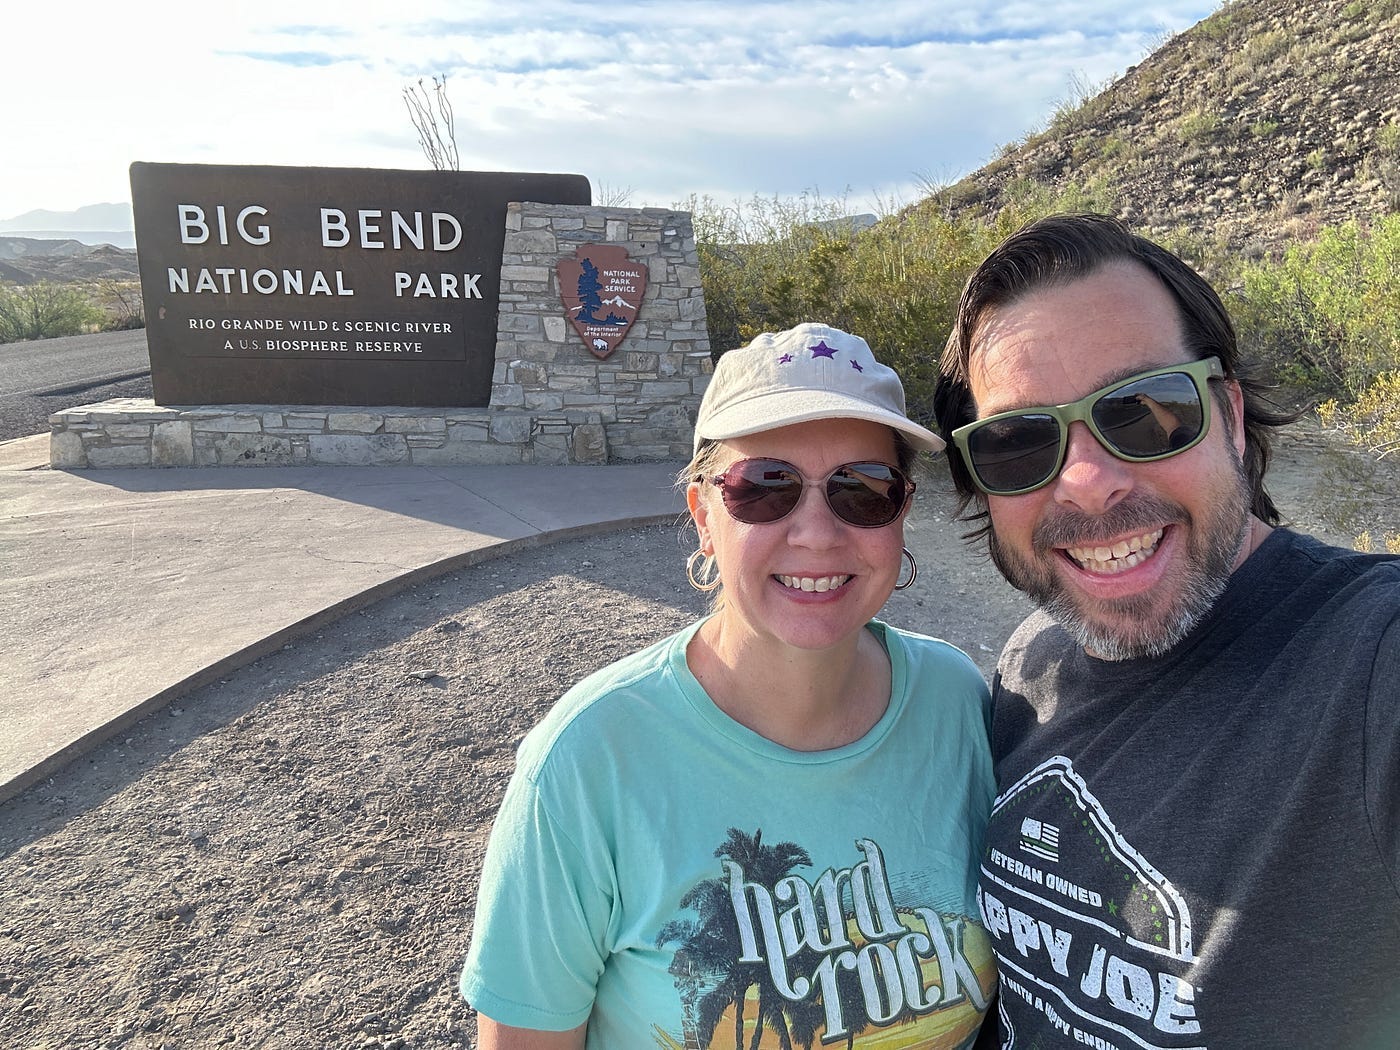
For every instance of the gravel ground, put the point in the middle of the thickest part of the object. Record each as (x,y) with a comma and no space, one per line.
(288,858)
(23,416)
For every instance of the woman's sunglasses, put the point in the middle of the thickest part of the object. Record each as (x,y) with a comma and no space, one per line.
(866,495)
(1150,416)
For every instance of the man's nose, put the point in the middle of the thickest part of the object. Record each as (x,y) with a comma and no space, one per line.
(1091,479)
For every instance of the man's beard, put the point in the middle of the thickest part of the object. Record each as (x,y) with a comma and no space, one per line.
(1135,627)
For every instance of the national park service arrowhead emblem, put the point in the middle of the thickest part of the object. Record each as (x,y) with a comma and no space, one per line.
(602,291)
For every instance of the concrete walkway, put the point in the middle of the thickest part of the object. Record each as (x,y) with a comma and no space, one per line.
(123,589)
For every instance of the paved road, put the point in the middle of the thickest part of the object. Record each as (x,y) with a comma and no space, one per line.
(39,367)
(43,376)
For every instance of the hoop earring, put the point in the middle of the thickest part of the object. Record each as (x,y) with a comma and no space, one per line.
(707,570)
(913,570)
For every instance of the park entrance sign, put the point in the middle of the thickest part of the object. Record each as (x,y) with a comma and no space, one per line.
(325,286)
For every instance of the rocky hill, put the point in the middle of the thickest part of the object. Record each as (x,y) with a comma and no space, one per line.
(29,260)
(1253,128)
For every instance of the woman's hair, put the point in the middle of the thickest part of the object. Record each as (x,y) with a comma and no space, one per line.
(711,455)
(1056,251)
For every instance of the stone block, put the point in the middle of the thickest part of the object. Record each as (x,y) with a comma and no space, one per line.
(236,424)
(511,429)
(672,417)
(172,444)
(531,242)
(249,450)
(554,329)
(119,455)
(565,384)
(357,450)
(128,431)
(539,401)
(526,274)
(637,361)
(468,430)
(527,374)
(354,422)
(590,444)
(552,450)
(415,424)
(66,450)
(472,454)
(507,395)
(305,423)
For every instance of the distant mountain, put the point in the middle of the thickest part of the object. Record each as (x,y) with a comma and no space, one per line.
(27,260)
(88,217)
(90,224)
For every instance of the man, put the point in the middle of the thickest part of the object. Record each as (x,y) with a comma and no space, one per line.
(1196,840)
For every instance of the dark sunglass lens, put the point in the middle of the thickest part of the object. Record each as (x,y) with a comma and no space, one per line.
(1015,453)
(867,494)
(1150,417)
(757,491)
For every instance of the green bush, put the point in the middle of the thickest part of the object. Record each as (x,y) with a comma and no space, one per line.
(770,264)
(44,310)
(1326,318)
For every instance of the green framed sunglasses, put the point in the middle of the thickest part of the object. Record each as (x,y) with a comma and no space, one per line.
(1149,416)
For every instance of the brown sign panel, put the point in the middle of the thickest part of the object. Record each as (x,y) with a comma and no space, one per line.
(602,291)
(327,286)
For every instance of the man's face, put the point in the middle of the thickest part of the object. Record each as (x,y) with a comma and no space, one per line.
(1127,556)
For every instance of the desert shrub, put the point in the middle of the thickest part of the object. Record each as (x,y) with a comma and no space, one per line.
(1383,163)
(1372,420)
(1327,318)
(1263,48)
(44,310)
(770,264)
(754,259)
(121,305)
(1197,125)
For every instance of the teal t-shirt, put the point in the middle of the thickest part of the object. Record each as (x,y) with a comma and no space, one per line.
(677,880)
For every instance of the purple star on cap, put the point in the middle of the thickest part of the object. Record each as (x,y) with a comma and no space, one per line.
(822,350)
(784,359)
(856,366)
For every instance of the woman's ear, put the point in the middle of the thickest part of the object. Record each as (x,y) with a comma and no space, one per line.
(700,514)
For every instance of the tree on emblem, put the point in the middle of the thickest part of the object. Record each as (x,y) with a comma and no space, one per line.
(588,288)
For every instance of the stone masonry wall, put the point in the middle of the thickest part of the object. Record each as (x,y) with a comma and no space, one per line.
(552,401)
(640,403)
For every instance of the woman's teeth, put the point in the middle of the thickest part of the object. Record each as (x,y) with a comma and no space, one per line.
(1121,557)
(813,583)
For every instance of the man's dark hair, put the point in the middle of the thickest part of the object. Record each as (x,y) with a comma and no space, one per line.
(1055,251)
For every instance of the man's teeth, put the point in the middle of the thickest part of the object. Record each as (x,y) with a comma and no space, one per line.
(813,583)
(1122,556)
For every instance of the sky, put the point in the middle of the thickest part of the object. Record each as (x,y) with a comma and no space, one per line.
(866,103)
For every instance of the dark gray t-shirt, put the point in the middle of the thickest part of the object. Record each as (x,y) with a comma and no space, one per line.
(1203,850)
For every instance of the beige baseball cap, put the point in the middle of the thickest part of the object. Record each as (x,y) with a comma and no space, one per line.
(809,372)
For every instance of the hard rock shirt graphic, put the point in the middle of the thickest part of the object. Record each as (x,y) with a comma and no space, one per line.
(767,956)
(1086,932)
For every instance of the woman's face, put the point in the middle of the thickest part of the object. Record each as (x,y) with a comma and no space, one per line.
(808,580)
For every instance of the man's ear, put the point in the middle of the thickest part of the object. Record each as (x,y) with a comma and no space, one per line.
(700,514)
(1236,398)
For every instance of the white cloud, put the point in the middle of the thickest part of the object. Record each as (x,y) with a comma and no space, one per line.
(725,98)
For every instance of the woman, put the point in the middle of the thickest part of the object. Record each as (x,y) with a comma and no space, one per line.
(761,831)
